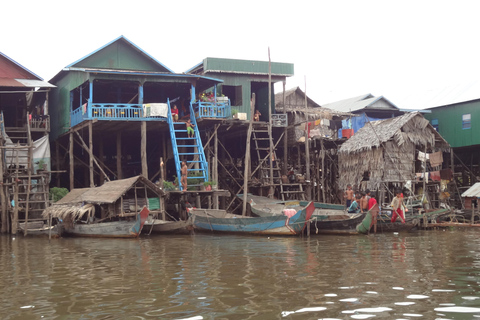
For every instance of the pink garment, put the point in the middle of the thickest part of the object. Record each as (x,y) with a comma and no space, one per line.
(289,212)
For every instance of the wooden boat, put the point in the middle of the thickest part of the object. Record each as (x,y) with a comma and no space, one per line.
(385,225)
(39,228)
(221,221)
(159,226)
(326,219)
(114,229)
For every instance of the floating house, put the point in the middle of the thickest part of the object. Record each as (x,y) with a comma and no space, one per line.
(24,141)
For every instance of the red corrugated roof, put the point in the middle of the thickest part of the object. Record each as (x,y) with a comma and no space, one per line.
(11,70)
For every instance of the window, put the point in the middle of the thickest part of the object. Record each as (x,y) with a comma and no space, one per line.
(435,123)
(466,121)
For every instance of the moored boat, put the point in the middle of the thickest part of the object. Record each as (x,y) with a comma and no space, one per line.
(288,224)
(385,225)
(159,226)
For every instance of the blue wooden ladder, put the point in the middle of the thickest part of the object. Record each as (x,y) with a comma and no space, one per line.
(192,148)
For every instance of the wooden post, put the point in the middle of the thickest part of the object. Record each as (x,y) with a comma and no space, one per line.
(29,171)
(162,179)
(247,157)
(143,151)
(57,164)
(101,156)
(215,166)
(2,188)
(90,151)
(307,149)
(322,154)
(299,163)
(285,136)
(71,160)
(272,188)
(119,155)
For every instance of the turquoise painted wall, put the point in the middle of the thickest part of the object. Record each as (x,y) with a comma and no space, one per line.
(450,123)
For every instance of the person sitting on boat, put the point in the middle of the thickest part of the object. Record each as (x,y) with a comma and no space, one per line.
(397,205)
(355,206)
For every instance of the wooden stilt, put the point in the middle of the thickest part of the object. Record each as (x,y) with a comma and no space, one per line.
(82,143)
(57,163)
(119,155)
(29,172)
(101,179)
(215,165)
(143,151)
(71,160)
(247,156)
(90,152)
(3,198)
(285,136)
(307,149)
(270,160)
(322,155)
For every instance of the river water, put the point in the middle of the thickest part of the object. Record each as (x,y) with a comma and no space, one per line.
(419,275)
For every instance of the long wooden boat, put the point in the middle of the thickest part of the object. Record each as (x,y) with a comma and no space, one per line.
(385,225)
(115,229)
(327,218)
(39,228)
(159,226)
(221,221)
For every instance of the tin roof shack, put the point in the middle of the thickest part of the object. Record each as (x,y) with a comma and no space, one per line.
(25,152)
(83,210)
(367,108)
(116,97)
(242,78)
(383,153)
(457,123)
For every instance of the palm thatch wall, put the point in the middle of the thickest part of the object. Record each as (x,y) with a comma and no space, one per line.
(386,150)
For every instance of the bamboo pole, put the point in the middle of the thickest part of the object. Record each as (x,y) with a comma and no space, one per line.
(57,165)
(2,187)
(71,160)
(307,148)
(100,155)
(285,135)
(162,179)
(119,155)
(247,156)
(90,153)
(215,166)
(322,154)
(29,171)
(143,150)
(272,189)
(15,197)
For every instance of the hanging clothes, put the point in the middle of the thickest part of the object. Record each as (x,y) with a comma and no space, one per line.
(436,159)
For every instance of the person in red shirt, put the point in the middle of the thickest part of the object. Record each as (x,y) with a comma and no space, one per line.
(175,113)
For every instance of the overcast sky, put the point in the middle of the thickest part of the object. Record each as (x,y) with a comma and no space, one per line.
(415,53)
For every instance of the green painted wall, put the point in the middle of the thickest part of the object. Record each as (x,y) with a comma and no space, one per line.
(450,123)
(59,102)
(120,55)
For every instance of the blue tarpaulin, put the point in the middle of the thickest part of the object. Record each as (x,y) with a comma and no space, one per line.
(355,123)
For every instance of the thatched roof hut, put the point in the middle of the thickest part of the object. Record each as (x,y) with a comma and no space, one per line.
(385,150)
(114,199)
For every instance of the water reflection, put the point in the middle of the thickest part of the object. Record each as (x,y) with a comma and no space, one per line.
(389,276)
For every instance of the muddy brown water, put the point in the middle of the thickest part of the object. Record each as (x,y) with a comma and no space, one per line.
(417,275)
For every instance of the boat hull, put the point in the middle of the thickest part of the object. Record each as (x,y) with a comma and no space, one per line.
(337,224)
(168,227)
(273,225)
(115,229)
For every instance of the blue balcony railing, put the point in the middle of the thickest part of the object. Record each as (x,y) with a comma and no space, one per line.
(212,109)
(136,112)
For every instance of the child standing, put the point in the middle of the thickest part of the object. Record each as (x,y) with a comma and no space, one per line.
(348,196)
(190,126)
(397,205)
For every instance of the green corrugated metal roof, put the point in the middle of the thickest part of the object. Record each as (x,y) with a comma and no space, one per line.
(246,66)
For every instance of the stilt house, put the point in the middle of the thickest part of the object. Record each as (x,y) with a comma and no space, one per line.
(24,142)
